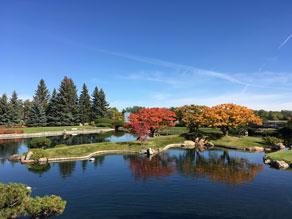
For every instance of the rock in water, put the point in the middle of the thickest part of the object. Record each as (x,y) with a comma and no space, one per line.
(28,156)
(150,151)
(280,164)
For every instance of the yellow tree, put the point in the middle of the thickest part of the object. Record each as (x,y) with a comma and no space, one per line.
(194,116)
(227,116)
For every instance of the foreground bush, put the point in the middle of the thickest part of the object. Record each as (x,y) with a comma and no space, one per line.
(15,201)
(47,206)
(41,142)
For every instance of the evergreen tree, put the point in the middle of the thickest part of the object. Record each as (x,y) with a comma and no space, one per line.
(14,109)
(84,105)
(52,115)
(99,104)
(37,114)
(4,110)
(42,94)
(104,106)
(67,103)
(27,104)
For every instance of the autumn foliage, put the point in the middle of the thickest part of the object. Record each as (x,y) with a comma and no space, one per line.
(193,116)
(223,116)
(150,120)
(227,116)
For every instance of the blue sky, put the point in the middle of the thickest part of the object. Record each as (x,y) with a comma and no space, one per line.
(154,52)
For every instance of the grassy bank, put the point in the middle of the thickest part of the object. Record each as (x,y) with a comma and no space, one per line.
(239,142)
(216,136)
(86,149)
(29,130)
(281,155)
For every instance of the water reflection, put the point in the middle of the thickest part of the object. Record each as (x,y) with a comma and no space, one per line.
(144,168)
(217,165)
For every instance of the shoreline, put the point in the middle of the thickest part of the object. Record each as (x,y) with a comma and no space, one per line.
(108,152)
(54,133)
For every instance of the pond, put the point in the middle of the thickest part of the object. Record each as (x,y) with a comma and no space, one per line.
(14,146)
(175,184)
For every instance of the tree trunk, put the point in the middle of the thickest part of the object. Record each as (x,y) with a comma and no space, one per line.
(225,131)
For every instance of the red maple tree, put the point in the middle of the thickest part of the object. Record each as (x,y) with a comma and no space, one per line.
(150,120)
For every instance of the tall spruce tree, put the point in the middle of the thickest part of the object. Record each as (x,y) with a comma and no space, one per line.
(42,94)
(4,110)
(99,104)
(14,109)
(37,115)
(52,110)
(67,103)
(27,104)
(84,105)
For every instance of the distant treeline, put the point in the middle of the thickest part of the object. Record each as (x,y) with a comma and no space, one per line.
(274,115)
(59,108)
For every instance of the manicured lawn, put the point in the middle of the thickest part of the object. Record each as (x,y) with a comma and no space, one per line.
(50,129)
(281,155)
(174,131)
(86,149)
(239,142)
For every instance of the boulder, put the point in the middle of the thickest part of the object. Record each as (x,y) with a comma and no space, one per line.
(267,161)
(278,146)
(15,157)
(150,151)
(28,156)
(280,164)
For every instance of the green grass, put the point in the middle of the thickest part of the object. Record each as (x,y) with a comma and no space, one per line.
(239,142)
(174,131)
(52,129)
(281,155)
(86,149)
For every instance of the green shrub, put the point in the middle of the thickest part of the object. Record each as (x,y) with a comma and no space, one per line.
(44,207)
(37,154)
(272,140)
(41,142)
(15,201)
(104,120)
(108,125)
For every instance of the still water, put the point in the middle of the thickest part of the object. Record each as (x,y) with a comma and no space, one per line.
(175,184)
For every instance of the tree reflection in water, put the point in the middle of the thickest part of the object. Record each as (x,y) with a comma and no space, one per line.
(143,168)
(218,166)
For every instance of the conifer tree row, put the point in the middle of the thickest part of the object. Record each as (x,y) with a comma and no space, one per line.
(61,107)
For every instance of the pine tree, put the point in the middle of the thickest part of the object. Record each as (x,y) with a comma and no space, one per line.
(67,103)
(14,109)
(84,105)
(27,104)
(52,115)
(42,94)
(37,114)
(99,104)
(4,110)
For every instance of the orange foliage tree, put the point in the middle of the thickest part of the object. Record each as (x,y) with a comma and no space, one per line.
(227,116)
(153,118)
(194,116)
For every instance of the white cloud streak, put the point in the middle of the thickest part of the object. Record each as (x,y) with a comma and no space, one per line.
(285,41)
